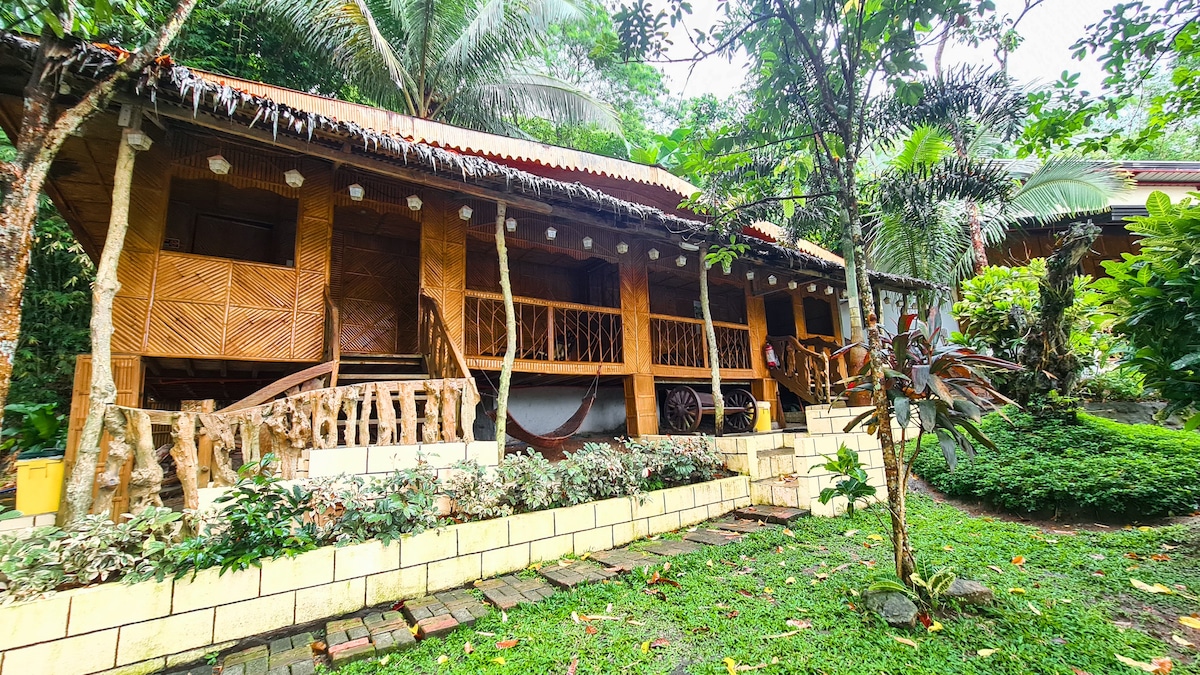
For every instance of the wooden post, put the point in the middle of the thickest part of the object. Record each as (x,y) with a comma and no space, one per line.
(82,479)
(510,326)
(183,449)
(204,444)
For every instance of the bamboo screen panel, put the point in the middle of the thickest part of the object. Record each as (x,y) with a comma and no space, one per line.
(680,342)
(545,331)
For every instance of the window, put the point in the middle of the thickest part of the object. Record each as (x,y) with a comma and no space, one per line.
(208,217)
(818,317)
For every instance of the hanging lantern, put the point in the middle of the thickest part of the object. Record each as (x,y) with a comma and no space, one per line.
(510,224)
(464,212)
(829,290)
(551,233)
(414,203)
(750,275)
(653,253)
(587,243)
(293,178)
(138,140)
(812,288)
(622,248)
(792,285)
(219,165)
(356,192)
(772,280)
(681,260)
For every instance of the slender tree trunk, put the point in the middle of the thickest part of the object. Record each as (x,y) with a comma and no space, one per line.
(978,245)
(892,456)
(714,355)
(41,135)
(103,392)
(510,330)
(855,358)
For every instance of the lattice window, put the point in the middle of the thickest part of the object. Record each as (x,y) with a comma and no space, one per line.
(593,337)
(733,346)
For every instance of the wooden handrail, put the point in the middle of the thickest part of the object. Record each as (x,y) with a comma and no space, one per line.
(685,319)
(803,370)
(435,339)
(280,386)
(488,295)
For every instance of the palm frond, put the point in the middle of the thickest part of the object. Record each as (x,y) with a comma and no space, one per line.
(925,146)
(535,95)
(1068,187)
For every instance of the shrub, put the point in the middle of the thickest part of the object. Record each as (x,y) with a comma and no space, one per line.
(351,509)
(677,461)
(1118,384)
(854,486)
(1091,466)
(88,551)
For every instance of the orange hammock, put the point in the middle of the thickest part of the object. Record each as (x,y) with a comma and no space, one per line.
(553,440)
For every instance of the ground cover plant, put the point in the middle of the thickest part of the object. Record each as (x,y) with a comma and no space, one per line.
(1091,466)
(785,601)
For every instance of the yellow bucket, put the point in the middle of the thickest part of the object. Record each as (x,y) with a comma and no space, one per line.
(763,421)
(39,485)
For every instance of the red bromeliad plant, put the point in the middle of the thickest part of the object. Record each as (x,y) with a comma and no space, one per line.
(946,387)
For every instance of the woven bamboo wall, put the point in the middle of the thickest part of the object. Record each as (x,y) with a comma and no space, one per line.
(183,305)
(128,376)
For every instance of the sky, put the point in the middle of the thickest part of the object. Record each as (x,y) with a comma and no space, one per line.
(1049,31)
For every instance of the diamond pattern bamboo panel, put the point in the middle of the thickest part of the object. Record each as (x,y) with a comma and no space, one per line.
(259,332)
(368,327)
(264,287)
(135,273)
(193,278)
(309,332)
(311,292)
(129,323)
(186,328)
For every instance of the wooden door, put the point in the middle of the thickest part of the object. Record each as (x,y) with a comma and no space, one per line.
(375,284)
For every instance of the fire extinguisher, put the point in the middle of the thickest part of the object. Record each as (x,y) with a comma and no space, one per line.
(772,360)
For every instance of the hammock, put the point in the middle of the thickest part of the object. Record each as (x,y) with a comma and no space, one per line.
(553,440)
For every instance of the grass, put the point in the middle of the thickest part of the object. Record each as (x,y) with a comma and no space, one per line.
(723,608)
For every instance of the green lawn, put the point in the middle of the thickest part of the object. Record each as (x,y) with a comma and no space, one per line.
(731,599)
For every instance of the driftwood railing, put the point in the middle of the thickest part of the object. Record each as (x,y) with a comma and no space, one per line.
(677,341)
(379,413)
(803,370)
(546,330)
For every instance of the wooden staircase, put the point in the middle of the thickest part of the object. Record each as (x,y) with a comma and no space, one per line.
(358,368)
(804,371)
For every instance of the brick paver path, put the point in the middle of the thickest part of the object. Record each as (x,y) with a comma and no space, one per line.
(672,547)
(712,537)
(571,573)
(743,526)
(624,560)
(509,591)
(771,514)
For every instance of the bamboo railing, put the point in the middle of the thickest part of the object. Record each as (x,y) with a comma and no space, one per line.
(378,413)
(546,330)
(442,355)
(679,341)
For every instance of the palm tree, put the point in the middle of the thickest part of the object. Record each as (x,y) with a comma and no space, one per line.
(466,62)
(941,198)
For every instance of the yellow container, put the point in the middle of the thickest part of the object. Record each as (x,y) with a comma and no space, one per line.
(39,485)
(763,421)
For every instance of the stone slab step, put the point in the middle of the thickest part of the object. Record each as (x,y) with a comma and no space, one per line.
(712,537)
(672,547)
(571,573)
(460,604)
(777,452)
(509,591)
(743,526)
(781,515)
(624,560)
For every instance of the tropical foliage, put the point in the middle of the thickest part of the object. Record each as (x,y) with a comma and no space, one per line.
(466,62)
(1154,297)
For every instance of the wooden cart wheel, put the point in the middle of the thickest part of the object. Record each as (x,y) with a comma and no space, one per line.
(741,411)
(683,409)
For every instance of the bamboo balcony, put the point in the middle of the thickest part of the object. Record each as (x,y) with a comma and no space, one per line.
(679,343)
(548,333)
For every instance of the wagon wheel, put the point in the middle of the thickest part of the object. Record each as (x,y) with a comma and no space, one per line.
(683,409)
(741,411)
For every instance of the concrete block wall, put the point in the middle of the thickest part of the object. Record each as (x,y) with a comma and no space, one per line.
(141,628)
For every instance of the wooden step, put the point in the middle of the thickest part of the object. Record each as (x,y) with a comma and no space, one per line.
(381,377)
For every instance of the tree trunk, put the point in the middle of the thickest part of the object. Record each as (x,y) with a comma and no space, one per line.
(1046,355)
(103,392)
(714,355)
(510,331)
(892,458)
(855,358)
(978,245)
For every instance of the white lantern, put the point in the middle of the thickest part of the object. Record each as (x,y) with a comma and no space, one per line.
(688,246)
(464,212)
(219,165)
(792,285)
(293,178)
(887,300)
(414,203)
(138,140)
(653,253)
(812,288)
(510,224)
(681,260)
(750,275)
(622,248)
(551,233)
(772,280)
(587,243)
(356,192)
(829,290)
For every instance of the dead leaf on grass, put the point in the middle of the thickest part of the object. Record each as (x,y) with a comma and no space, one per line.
(799,623)
(468,648)
(1190,622)
(1160,557)
(572,668)
(1018,560)
(1182,642)
(986,652)
(656,579)
(591,630)
(507,644)
(1159,666)
(1034,609)
(659,643)
(1156,588)
(995,569)
(904,641)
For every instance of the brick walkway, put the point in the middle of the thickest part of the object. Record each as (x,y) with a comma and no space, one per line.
(401,626)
